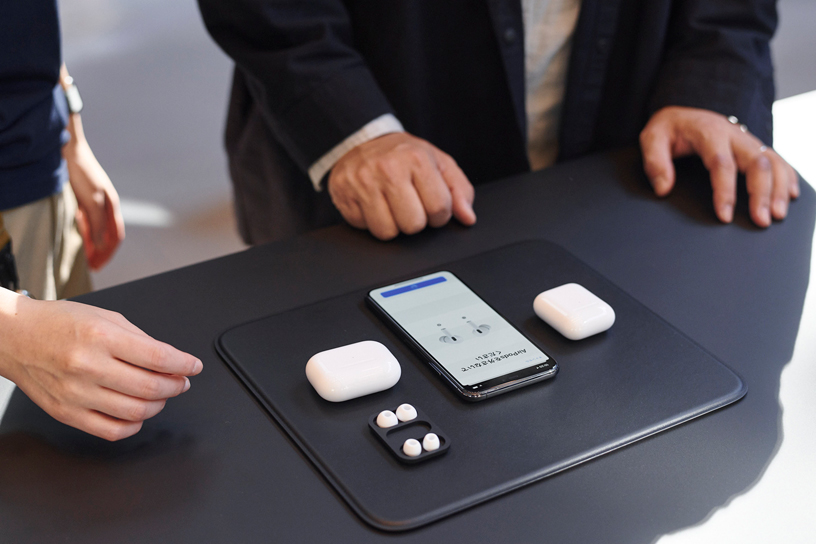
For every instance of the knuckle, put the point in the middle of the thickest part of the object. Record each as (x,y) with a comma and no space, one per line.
(114,433)
(780,188)
(720,161)
(415,225)
(75,361)
(404,147)
(366,177)
(711,123)
(444,161)
(137,411)
(762,163)
(70,391)
(116,316)
(92,331)
(417,156)
(385,233)
(354,219)
(337,182)
(150,388)
(159,356)
(388,171)
(439,210)
(111,435)
(647,135)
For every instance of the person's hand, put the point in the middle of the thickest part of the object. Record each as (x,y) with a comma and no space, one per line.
(725,150)
(400,183)
(99,216)
(87,367)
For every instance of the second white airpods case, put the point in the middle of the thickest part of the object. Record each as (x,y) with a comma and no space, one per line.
(574,311)
(353,371)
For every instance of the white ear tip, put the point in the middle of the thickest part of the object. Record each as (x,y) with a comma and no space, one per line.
(430,442)
(406,412)
(386,419)
(412,447)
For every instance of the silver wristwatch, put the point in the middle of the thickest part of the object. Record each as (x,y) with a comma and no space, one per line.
(72,95)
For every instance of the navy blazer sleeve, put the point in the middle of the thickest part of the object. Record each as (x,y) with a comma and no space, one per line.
(718,57)
(314,88)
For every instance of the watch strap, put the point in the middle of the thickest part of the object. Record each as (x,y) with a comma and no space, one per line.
(71,91)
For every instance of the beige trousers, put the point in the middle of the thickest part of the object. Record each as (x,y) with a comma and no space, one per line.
(48,247)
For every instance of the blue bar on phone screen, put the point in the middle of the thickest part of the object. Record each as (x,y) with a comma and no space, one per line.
(413,286)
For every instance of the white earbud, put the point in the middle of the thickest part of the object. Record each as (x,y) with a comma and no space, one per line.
(412,447)
(430,442)
(406,412)
(479,330)
(386,419)
(449,338)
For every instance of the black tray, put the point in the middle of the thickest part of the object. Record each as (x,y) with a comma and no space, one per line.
(637,379)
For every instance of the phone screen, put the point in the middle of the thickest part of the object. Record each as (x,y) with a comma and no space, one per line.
(461,331)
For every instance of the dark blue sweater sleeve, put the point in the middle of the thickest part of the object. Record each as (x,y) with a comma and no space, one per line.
(718,58)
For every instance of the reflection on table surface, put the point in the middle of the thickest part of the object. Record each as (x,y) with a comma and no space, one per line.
(780,506)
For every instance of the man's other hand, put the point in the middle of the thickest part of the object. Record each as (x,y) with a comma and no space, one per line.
(99,216)
(725,149)
(400,183)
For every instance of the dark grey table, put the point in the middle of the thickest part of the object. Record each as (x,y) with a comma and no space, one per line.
(213,467)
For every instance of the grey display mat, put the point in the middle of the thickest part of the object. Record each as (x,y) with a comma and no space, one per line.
(637,379)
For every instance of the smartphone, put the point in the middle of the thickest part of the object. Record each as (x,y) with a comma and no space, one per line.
(466,341)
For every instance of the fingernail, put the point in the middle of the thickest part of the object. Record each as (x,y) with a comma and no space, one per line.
(765,215)
(726,213)
(198,367)
(468,221)
(186,385)
(660,183)
(780,208)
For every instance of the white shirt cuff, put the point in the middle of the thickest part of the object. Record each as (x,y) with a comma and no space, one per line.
(382,125)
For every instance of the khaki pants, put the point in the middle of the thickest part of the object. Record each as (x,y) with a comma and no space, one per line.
(48,247)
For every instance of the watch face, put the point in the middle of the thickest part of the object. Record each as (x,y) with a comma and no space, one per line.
(74,100)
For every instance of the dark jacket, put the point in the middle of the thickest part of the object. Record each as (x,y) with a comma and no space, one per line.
(310,73)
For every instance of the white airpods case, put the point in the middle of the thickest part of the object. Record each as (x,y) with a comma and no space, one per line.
(353,371)
(574,311)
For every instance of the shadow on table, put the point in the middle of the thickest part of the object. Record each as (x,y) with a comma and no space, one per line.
(95,483)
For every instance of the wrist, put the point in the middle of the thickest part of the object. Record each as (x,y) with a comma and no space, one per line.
(77,145)
(12,306)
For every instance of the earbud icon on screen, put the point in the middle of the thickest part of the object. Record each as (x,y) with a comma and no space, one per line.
(479,330)
(449,338)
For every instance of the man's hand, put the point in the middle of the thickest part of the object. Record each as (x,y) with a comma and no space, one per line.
(87,367)
(725,149)
(99,216)
(400,183)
